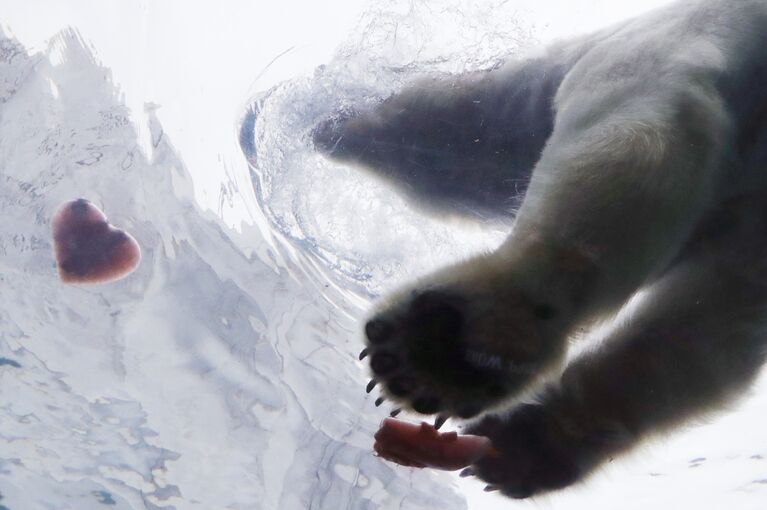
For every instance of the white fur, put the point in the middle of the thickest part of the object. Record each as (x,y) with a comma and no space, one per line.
(659,131)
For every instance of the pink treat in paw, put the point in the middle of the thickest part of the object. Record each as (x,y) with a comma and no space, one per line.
(420,446)
(88,249)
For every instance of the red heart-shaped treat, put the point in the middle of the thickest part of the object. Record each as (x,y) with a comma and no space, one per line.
(88,249)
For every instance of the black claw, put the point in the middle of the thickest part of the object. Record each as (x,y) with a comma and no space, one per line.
(364,353)
(439,421)
(379,401)
(383,363)
(394,413)
(491,488)
(467,472)
(378,331)
(371,385)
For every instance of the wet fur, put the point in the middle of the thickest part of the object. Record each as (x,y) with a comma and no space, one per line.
(633,160)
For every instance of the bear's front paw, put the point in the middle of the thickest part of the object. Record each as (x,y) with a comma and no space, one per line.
(547,445)
(534,453)
(458,352)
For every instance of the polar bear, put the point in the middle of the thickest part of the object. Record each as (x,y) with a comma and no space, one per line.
(640,156)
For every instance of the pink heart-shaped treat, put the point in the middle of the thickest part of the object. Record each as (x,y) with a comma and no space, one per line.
(422,445)
(88,249)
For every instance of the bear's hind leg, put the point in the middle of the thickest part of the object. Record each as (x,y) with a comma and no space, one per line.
(693,344)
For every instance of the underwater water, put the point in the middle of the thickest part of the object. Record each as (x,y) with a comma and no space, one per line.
(223,372)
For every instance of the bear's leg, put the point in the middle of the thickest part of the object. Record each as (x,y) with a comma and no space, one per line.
(464,143)
(619,189)
(695,341)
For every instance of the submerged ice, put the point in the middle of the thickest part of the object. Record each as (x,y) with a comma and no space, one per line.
(222,373)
